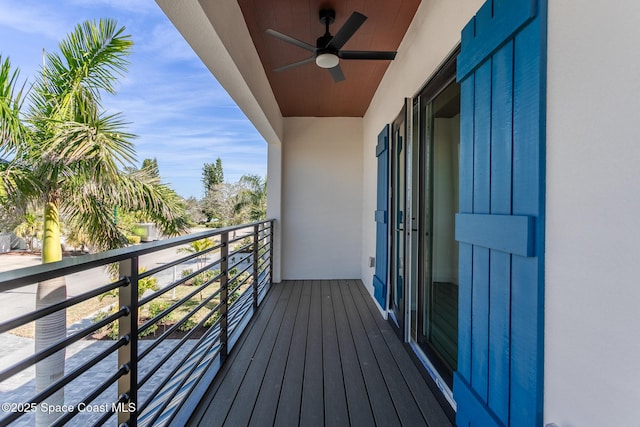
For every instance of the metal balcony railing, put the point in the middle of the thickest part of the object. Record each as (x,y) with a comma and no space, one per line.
(234,272)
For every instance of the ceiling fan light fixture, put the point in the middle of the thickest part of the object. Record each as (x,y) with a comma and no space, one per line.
(327,60)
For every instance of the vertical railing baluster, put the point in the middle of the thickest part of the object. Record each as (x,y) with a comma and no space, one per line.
(224,282)
(128,354)
(256,241)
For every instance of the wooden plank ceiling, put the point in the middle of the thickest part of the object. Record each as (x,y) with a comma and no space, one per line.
(309,90)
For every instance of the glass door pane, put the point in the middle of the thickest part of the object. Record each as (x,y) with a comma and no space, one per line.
(437,293)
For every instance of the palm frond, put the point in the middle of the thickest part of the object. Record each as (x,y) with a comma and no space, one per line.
(141,190)
(18,185)
(12,130)
(91,59)
(94,192)
(93,217)
(95,53)
(252,199)
(100,138)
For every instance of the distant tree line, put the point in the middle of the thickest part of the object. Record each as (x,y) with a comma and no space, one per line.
(226,203)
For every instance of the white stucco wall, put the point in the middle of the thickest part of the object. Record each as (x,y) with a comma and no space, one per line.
(592,300)
(433,34)
(321,198)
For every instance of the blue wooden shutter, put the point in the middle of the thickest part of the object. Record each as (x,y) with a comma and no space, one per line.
(380,276)
(500,227)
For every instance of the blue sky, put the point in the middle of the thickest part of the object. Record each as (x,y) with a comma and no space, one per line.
(182,116)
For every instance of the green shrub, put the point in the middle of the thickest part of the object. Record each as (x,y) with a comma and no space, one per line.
(143,285)
(212,319)
(151,330)
(203,277)
(246,241)
(156,307)
(188,325)
(234,297)
(110,329)
(146,284)
(186,272)
(133,240)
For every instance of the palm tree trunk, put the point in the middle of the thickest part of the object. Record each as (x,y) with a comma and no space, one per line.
(52,328)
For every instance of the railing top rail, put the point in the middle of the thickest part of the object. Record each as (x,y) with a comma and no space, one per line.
(25,276)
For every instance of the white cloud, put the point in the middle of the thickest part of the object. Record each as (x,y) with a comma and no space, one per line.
(165,43)
(137,6)
(30,18)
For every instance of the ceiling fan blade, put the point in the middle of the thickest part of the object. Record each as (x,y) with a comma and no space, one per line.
(290,39)
(295,64)
(336,73)
(363,54)
(348,29)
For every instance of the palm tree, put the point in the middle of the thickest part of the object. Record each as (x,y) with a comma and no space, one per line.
(76,160)
(252,199)
(197,247)
(29,229)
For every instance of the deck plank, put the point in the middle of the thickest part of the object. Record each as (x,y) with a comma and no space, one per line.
(406,406)
(264,411)
(335,402)
(312,408)
(319,353)
(360,413)
(288,411)
(224,388)
(383,410)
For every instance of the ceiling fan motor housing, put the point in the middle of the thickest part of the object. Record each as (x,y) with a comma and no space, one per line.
(327,16)
(322,42)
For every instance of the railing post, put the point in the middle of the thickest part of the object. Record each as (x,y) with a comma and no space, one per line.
(128,354)
(271,233)
(256,241)
(224,305)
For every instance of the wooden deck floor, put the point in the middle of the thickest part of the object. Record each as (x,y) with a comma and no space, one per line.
(319,353)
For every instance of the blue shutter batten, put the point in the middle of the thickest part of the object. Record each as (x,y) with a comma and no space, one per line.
(500,226)
(507,233)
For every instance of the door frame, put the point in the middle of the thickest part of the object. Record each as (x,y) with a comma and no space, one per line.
(398,321)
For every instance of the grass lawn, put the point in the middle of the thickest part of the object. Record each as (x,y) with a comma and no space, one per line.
(92,306)
(74,314)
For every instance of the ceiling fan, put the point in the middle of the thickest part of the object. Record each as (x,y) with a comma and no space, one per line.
(327,53)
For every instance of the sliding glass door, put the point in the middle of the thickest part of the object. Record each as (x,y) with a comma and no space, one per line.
(424,157)
(431,202)
(435,323)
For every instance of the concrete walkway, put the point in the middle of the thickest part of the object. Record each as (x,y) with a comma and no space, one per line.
(21,387)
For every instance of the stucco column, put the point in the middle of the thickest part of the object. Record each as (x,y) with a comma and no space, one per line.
(274,203)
